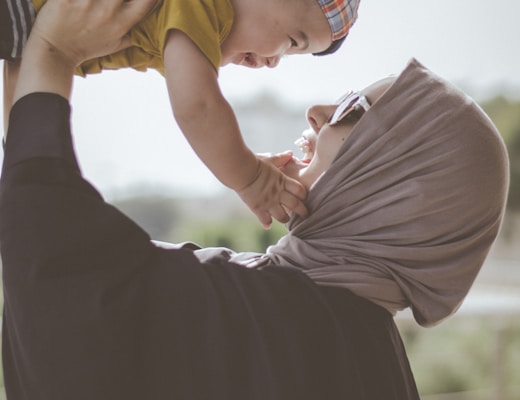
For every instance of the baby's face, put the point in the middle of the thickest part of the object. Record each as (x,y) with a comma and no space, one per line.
(264,31)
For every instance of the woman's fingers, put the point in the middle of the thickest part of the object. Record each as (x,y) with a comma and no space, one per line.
(84,29)
(126,14)
(133,11)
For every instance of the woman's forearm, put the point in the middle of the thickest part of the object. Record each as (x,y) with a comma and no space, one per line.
(43,69)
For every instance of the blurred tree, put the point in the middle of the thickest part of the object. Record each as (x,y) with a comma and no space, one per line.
(513,148)
(506,116)
(239,233)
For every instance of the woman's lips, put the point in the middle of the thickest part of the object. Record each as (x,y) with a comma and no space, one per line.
(306,144)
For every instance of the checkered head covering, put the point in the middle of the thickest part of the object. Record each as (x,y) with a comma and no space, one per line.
(341,15)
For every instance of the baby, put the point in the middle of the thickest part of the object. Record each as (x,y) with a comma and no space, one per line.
(188,41)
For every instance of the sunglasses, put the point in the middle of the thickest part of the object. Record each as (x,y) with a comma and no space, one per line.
(347,104)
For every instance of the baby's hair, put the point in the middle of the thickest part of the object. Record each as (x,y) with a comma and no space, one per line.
(336,44)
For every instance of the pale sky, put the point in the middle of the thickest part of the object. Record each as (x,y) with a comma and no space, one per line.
(125,134)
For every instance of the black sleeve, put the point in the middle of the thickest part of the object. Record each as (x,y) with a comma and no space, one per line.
(47,209)
(74,267)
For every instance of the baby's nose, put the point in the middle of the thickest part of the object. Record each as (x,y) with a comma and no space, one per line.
(272,62)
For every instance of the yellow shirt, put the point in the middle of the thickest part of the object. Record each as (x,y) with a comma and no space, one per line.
(206,22)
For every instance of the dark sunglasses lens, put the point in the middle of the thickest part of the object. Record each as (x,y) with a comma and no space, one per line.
(344,109)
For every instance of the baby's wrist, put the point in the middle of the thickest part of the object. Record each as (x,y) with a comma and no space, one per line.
(249,175)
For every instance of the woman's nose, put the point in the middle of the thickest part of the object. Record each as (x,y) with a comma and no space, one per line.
(318,116)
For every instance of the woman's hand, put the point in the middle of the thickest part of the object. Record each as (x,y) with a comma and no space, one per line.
(84,29)
(68,32)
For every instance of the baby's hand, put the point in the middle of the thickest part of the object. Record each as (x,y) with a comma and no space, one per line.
(273,194)
(293,166)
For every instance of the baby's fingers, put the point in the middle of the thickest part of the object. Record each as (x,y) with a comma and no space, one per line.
(279,160)
(293,204)
(279,213)
(295,188)
(264,218)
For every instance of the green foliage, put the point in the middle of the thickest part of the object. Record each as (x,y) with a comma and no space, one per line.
(513,148)
(512,363)
(506,116)
(460,355)
(207,222)
(237,233)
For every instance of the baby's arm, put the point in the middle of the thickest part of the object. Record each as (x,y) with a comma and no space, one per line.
(209,124)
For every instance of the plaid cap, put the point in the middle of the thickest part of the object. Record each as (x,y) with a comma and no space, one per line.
(341,15)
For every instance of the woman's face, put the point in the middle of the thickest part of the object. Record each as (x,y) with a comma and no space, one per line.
(323,140)
(329,138)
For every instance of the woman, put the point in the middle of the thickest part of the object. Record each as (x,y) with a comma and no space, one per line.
(406,196)
(93,309)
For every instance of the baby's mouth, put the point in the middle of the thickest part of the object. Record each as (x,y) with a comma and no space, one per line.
(306,144)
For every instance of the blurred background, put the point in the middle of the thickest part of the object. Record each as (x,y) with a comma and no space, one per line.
(131,149)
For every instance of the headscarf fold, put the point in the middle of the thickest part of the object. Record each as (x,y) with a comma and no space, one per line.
(407,212)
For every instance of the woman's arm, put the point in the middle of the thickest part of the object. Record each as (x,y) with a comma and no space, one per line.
(70,260)
(42,190)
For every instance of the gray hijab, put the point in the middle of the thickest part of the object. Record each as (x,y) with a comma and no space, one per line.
(406,214)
